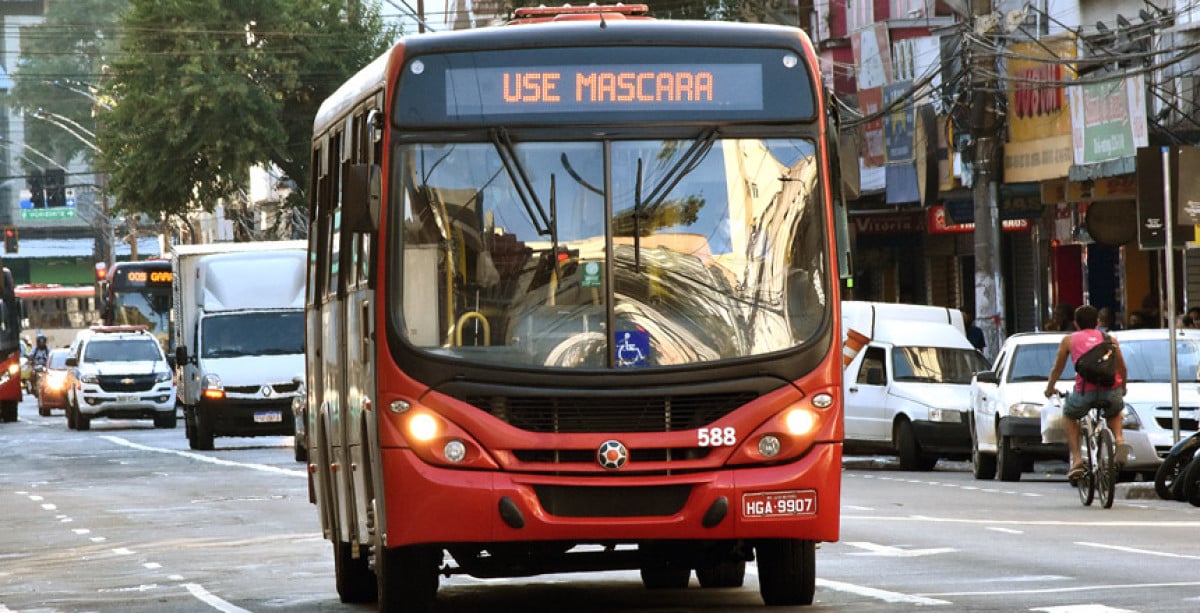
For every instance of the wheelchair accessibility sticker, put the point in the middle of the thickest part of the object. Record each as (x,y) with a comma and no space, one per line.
(633,348)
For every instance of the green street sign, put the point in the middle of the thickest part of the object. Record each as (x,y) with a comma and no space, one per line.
(47,214)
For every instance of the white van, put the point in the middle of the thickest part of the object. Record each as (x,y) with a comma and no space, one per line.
(908,388)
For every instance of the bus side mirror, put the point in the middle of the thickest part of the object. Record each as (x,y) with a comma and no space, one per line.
(181,356)
(361,191)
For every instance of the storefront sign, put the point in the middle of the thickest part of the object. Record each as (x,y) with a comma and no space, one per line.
(906,222)
(870,102)
(1039,123)
(898,124)
(1108,119)
(872,56)
(940,224)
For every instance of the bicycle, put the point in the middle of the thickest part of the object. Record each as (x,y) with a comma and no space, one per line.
(1098,448)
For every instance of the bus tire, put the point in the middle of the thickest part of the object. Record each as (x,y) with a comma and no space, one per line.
(8,410)
(202,431)
(406,578)
(353,576)
(787,573)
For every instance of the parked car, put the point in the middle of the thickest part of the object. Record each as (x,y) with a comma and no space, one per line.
(1148,390)
(907,388)
(1006,407)
(120,371)
(52,390)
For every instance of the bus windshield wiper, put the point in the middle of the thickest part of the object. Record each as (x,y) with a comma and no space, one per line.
(542,222)
(688,162)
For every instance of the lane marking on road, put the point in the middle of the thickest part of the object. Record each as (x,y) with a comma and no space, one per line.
(1148,552)
(1067,589)
(1005,530)
(989,490)
(878,594)
(1083,608)
(875,549)
(122,551)
(209,599)
(203,458)
(1189,524)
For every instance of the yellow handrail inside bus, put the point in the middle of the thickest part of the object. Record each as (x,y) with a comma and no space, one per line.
(469,315)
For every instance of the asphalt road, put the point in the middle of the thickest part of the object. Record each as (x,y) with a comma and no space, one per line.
(126,518)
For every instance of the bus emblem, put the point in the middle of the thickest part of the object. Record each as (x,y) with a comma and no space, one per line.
(612,455)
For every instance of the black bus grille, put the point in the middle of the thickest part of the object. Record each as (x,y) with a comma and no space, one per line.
(611,414)
(583,501)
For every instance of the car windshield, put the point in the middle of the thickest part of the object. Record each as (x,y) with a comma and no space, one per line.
(1033,363)
(1147,360)
(936,364)
(121,350)
(58,359)
(692,251)
(252,334)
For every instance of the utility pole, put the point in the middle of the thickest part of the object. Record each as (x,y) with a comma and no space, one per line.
(985,132)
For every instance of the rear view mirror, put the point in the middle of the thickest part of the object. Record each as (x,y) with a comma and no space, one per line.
(987,376)
(180,355)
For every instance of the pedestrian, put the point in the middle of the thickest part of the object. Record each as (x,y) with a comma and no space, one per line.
(1083,394)
(1063,318)
(974,332)
(1107,320)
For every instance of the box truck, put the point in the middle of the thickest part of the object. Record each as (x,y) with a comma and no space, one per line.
(239,337)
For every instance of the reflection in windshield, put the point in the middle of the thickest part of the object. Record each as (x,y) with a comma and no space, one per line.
(1149,360)
(252,334)
(1034,362)
(144,308)
(122,351)
(717,250)
(936,364)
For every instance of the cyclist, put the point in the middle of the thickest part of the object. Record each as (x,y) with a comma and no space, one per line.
(1084,394)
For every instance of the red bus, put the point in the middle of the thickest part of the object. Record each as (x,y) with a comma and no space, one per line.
(573,306)
(139,293)
(10,347)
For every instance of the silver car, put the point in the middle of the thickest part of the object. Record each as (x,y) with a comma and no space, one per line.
(1148,389)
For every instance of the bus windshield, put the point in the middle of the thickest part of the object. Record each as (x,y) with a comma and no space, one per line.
(610,254)
(150,307)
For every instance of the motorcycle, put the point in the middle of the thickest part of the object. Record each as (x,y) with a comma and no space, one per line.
(1169,481)
(35,380)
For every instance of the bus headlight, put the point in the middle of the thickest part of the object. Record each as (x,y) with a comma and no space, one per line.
(800,421)
(422,427)
(439,441)
(787,434)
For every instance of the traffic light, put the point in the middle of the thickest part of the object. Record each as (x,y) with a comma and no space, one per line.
(56,190)
(10,239)
(37,191)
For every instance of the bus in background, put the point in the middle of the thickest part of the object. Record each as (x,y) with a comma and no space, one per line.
(573,305)
(139,294)
(10,348)
(57,311)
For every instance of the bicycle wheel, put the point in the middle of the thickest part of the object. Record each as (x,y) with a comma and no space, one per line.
(1106,468)
(1086,483)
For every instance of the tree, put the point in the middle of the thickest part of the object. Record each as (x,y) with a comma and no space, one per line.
(60,63)
(205,89)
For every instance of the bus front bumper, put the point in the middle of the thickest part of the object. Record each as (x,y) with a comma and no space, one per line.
(800,499)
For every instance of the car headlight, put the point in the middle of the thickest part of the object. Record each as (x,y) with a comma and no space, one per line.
(162,376)
(1025,409)
(89,378)
(945,415)
(1130,419)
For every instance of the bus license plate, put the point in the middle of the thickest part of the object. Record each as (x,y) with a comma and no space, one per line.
(268,417)
(779,504)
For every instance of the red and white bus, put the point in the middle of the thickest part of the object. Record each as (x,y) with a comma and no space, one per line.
(573,306)
(10,347)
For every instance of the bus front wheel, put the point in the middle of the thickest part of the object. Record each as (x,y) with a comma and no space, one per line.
(406,578)
(787,571)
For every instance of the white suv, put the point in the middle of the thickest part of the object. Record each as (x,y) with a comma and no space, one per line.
(121,372)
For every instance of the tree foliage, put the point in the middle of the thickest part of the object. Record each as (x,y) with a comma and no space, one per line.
(59,65)
(205,89)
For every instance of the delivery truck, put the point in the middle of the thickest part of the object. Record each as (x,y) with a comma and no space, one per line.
(239,337)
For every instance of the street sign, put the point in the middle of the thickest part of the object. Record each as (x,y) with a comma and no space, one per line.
(1151,213)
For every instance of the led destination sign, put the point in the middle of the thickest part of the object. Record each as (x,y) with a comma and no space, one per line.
(604,88)
(612,85)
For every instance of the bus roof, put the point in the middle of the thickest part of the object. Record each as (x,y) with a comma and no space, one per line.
(554,34)
(54,290)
